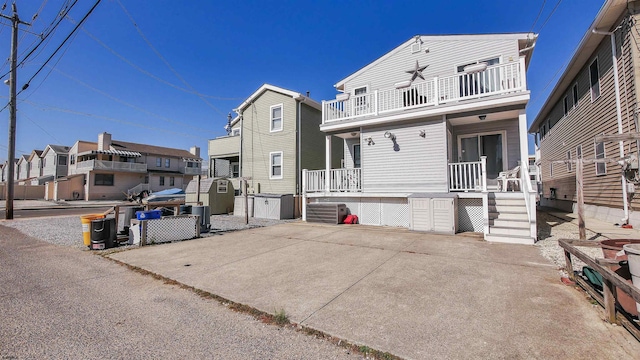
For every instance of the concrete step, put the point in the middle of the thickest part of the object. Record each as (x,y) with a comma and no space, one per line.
(514,223)
(512,202)
(511,239)
(509,230)
(507,208)
(509,215)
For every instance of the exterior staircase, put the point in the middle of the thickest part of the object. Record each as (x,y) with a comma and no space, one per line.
(508,219)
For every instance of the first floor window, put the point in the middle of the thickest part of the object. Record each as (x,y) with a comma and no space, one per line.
(275,165)
(569,165)
(161,180)
(146,179)
(103,180)
(172,181)
(601,168)
(579,151)
(356,156)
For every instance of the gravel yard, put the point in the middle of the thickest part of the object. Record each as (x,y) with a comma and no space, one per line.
(67,230)
(551,229)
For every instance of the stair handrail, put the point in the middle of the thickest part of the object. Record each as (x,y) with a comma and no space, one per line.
(527,190)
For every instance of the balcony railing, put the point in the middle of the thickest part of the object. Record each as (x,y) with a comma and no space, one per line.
(463,176)
(110,165)
(340,180)
(192,170)
(494,80)
(468,176)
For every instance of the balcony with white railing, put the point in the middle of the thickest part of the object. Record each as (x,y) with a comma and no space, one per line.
(463,177)
(491,81)
(90,165)
(192,170)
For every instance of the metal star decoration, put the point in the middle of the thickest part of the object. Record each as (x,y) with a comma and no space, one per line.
(417,72)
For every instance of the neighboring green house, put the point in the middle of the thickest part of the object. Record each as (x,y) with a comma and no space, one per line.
(275,135)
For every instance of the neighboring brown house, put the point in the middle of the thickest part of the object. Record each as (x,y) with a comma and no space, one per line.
(583,105)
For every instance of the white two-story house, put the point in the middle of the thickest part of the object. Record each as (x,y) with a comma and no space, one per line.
(434,132)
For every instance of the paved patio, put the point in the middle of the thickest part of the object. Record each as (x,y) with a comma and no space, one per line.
(412,294)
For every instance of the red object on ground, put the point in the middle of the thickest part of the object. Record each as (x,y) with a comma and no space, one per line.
(567,281)
(627,226)
(351,219)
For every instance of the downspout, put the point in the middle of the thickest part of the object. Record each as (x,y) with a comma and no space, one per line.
(299,148)
(625,200)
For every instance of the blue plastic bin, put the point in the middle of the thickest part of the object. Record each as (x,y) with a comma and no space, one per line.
(150,214)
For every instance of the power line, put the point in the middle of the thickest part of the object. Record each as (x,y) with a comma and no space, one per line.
(26,85)
(133,65)
(126,103)
(45,107)
(164,60)
(538,17)
(41,128)
(549,16)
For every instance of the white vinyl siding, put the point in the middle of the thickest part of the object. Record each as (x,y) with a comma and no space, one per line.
(276,118)
(601,168)
(275,165)
(412,164)
(443,52)
(594,80)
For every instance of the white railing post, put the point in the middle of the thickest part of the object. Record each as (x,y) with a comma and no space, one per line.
(324,112)
(523,74)
(436,90)
(483,164)
(304,195)
(327,155)
(485,212)
(375,102)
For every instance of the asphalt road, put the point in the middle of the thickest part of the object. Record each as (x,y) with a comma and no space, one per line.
(33,213)
(62,303)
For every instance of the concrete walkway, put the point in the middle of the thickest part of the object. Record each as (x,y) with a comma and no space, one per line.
(412,294)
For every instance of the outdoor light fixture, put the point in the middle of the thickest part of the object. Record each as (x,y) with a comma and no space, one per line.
(370,141)
(482,117)
(423,133)
(389,135)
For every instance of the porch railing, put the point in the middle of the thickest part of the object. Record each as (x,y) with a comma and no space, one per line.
(494,80)
(340,180)
(111,165)
(468,176)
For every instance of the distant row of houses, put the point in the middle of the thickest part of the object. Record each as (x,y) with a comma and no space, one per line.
(104,170)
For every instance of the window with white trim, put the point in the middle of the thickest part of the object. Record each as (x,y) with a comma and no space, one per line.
(601,168)
(565,106)
(275,165)
(579,152)
(167,162)
(569,164)
(276,117)
(159,162)
(574,93)
(594,80)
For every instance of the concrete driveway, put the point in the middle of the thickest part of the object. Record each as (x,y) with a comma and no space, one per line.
(412,294)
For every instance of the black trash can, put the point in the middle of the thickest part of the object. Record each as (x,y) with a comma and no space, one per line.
(99,232)
(185,209)
(110,240)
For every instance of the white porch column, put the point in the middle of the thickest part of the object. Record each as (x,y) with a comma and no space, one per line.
(327,155)
(522,129)
(304,195)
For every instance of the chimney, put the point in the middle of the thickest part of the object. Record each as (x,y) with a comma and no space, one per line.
(104,141)
(308,93)
(195,151)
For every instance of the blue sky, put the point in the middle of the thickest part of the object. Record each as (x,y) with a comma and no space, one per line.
(201,58)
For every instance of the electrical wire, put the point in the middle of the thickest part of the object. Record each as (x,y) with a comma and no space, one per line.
(40,127)
(538,17)
(549,16)
(26,85)
(145,72)
(165,61)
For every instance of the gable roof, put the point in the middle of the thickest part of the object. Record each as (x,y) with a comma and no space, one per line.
(152,150)
(606,18)
(23,158)
(525,41)
(58,149)
(34,153)
(295,95)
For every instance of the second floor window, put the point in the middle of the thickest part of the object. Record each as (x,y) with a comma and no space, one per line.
(569,164)
(574,92)
(159,162)
(72,159)
(276,118)
(356,156)
(594,80)
(276,165)
(601,168)
(62,160)
(167,162)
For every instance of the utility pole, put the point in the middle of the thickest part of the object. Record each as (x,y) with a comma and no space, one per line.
(15,21)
